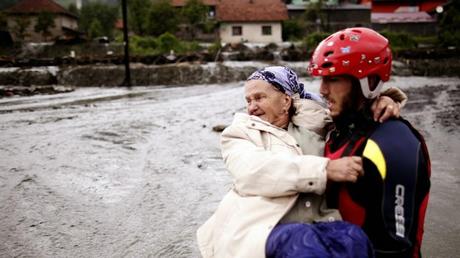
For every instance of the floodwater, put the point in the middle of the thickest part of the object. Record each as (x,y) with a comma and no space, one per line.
(116,172)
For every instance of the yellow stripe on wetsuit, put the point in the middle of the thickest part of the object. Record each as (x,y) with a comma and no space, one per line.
(374,154)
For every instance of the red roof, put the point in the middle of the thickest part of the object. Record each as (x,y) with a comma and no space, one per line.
(37,6)
(251,10)
(119,24)
(179,3)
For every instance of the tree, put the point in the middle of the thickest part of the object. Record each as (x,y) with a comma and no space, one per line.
(195,13)
(105,14)
(6,3)
(19,29)
(293,29)
(45,22)
(168,42)
(161,18)
(315,16)
(73,9)
(95,29)
(449,32)
(138,13)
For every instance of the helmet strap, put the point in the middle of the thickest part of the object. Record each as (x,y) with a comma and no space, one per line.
(366,89)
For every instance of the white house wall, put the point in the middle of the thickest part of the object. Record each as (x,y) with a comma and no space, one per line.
(67,22)
(60,21)
(251,32)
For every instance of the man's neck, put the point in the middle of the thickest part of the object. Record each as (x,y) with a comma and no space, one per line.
(353,118)
(349,124)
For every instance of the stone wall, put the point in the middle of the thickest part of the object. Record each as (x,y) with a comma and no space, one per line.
(185,73)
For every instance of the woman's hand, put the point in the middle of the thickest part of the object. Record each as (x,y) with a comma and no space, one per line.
(345,169)
(384,107)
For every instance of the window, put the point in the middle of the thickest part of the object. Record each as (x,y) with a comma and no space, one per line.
(211,12)
(237,31)
(266,30)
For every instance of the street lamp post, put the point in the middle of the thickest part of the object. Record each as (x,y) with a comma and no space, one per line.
(127,81)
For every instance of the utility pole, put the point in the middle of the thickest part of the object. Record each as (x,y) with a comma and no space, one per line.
(127,81)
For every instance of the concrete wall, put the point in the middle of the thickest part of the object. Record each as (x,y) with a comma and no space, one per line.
(251,32)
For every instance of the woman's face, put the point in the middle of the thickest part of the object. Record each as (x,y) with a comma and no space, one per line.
(269,104)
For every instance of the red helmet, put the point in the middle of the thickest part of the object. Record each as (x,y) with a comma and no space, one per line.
(359,52)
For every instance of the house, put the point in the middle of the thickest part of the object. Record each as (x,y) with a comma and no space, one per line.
(335,15)
(254,21)
(415,17)
(418,23)
(345,15)
(22,18)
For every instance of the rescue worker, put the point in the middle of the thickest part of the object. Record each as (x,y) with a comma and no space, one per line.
(389,201)
(276,207)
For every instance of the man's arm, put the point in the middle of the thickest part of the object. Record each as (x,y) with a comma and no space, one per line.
(394,155)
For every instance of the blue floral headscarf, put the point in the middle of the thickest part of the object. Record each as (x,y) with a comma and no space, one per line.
(285,80)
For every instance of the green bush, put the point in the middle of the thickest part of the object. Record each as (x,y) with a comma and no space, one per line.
(400,40)
(168,42)
(430,41)
(142,45)
(161,45)
(209,26)
(312,40)
(191,46)
(147,42)
(450,38)
(214,48)
(293,29)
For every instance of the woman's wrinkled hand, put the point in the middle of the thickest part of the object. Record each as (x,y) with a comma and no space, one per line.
(346,169)
(384,108)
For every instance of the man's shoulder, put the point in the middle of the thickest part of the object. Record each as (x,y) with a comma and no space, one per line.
(393,146)
(394,141)
(394,130)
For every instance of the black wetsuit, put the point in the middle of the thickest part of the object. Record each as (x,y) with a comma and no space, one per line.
(390,200)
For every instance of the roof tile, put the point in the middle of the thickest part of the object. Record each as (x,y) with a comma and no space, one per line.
(251,10)
(413,17)
(37,6)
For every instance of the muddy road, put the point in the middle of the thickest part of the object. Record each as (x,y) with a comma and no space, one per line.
(113,172)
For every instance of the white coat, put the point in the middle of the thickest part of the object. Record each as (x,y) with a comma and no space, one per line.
(269,171)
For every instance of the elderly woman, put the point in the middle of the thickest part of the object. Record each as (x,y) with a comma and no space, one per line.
(273,153)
